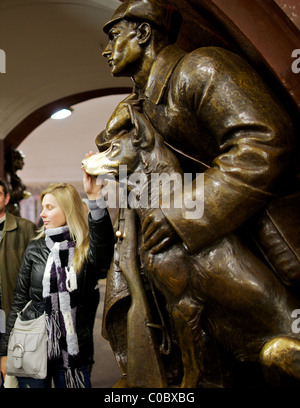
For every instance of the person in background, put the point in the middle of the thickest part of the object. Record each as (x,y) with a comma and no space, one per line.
(83,252)
(15,235)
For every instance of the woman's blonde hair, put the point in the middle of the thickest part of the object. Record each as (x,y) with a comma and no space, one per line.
(71,203)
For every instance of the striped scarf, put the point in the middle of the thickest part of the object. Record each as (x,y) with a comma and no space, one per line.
(60,296)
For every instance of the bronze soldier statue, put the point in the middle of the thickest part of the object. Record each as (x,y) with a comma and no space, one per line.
(214,111)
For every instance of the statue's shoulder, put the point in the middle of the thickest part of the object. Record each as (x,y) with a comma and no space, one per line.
(209,56)
(200,63)
(206,61)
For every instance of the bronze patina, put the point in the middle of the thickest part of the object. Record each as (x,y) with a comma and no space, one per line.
(211,297)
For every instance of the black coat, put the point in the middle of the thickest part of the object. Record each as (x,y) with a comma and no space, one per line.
(29,285)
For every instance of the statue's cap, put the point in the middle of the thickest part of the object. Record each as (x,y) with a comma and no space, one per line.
(155,11)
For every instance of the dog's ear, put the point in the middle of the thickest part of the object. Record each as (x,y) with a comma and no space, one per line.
(143,133)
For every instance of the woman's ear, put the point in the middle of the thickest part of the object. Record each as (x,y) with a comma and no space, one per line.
(144,32)
(6,200)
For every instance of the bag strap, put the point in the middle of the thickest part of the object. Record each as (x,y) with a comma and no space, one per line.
(25,307)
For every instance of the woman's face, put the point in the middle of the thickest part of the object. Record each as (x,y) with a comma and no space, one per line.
(52,214)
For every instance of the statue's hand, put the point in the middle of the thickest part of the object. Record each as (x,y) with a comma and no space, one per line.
(120,120)
(158,233)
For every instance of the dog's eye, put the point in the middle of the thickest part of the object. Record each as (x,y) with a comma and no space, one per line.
(115,147)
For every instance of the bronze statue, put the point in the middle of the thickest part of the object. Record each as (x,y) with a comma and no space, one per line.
(238,300)
(14,161)
(227,309)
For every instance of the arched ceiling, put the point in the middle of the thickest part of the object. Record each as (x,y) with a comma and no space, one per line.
(62,144)
(53,47)
(53,50)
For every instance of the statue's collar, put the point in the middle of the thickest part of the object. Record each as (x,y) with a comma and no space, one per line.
(161,70)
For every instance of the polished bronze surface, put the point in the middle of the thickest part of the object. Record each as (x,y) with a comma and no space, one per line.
(221,286)
(238,300)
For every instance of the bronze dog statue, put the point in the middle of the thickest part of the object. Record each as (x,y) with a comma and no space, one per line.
(239,302)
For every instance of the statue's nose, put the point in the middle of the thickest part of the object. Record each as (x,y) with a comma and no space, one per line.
(107,51)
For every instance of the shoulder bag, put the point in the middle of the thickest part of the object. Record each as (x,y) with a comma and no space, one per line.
(27,348)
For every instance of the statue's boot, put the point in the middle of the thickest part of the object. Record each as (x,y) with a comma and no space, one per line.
(280,358)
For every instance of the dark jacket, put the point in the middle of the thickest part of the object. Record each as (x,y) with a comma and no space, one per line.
(29,285)
(16,235)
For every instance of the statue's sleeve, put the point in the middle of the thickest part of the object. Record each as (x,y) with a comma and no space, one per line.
(255,138)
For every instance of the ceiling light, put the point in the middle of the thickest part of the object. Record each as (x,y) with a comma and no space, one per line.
(62,114)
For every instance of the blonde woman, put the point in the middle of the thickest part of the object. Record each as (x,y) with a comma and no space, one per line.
(59,272)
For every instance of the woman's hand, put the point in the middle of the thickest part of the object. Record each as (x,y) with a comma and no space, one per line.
(3,365)
(91,184)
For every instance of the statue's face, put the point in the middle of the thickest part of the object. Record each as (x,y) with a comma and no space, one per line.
(18,161)
(123,50)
